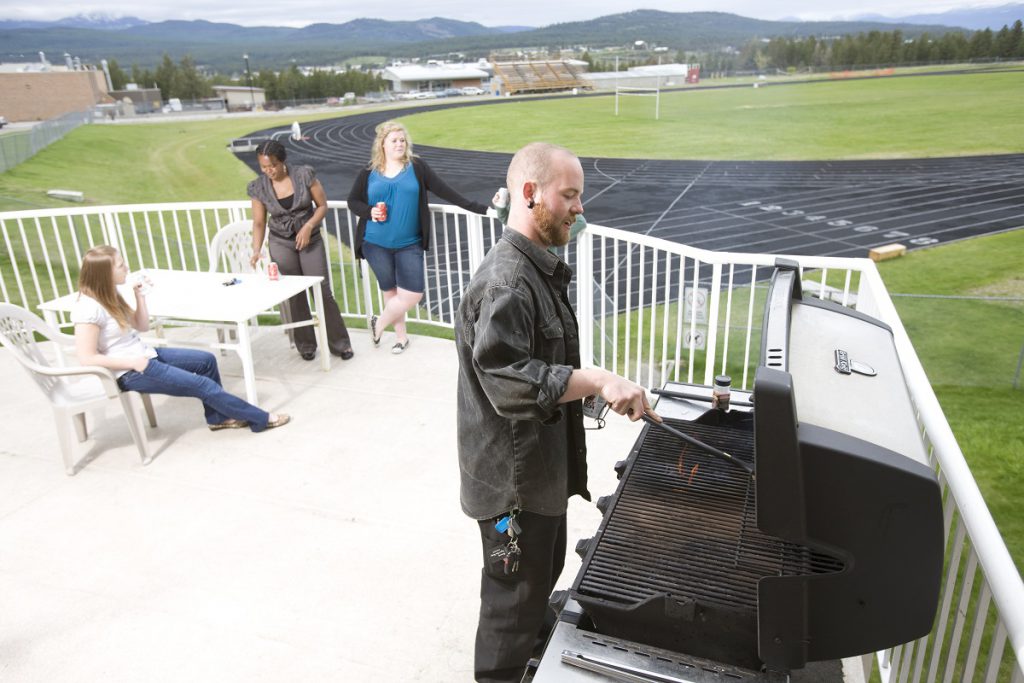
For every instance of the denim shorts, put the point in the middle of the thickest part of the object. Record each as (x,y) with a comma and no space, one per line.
(396,267)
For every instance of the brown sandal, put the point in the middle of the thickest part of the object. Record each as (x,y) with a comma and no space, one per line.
(282,420)
(229,424)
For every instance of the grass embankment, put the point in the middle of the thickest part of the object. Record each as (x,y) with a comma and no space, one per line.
(177,161)
(925,116)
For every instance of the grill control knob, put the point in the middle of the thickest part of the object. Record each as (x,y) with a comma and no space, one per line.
(583,546)
(557,600)
(620,468)
(605,502)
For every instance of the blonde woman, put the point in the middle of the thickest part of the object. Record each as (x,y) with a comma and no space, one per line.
(106,334)
(393,239)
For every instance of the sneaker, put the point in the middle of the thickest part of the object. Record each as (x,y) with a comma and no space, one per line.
(400,347)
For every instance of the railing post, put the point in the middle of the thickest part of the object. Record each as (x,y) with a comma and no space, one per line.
(475,241)
(364,268)
(867,297)
(585,295)
(108,225)
(710,349)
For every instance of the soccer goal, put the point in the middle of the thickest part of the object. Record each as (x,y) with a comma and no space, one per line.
(629,91)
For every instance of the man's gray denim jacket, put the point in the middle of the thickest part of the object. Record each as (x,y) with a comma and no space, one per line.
(518,343)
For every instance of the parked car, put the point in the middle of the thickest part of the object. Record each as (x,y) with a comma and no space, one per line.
(452,92)
(173,104)
(471,90)
(425,95)
(3,121)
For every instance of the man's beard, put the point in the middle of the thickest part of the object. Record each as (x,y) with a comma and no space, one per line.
(550,228)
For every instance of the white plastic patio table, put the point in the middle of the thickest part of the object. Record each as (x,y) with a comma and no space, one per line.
(203,297)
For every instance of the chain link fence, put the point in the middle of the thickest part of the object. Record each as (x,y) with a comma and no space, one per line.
(18,146)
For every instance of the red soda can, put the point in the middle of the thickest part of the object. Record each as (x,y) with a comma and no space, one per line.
(272,272)
(383,208)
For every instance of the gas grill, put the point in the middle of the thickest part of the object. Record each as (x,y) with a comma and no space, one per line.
(816,535)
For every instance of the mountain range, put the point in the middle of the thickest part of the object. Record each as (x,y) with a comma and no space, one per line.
(975,18)
(220,46)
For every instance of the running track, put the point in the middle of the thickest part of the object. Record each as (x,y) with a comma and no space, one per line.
(824,208)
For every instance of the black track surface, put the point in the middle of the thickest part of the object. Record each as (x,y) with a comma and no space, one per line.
(825,208)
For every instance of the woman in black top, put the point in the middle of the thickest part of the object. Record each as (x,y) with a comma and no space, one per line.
(393,241)
(292,203)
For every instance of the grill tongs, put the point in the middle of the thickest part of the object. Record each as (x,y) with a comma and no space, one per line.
(707,448)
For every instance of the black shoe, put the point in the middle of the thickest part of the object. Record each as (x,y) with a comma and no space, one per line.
(307,355)
(346,354)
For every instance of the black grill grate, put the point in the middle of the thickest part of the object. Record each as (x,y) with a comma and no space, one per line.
(683,524)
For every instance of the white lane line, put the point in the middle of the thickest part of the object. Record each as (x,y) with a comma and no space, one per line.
(678,197)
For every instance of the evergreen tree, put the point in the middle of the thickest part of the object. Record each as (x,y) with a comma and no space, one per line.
(1018,40)
(981,44)
(118,78)
(167,78)
(190,83)
(143,77)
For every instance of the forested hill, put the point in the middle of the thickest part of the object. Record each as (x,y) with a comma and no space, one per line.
(689,31)
(220,46)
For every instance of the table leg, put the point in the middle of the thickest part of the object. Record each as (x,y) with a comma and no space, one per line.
(321,328)
(244,350)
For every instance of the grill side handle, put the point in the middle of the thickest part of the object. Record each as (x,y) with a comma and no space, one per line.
(780,486)
(783,290)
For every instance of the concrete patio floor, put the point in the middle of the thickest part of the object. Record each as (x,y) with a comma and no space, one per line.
(332,549)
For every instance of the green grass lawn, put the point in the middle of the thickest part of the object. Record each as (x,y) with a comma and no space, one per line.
(880,118)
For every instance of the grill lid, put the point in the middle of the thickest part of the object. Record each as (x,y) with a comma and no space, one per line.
(829,477)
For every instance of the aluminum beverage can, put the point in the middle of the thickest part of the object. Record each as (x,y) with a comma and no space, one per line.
(272,271)
(383,208)
(502,198)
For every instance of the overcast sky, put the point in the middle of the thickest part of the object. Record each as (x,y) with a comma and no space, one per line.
(522,13)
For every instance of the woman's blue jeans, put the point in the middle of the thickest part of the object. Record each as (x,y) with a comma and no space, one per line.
(190,372)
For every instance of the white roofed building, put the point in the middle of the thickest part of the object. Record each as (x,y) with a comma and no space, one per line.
(650,76)
(241,97)
(435,76)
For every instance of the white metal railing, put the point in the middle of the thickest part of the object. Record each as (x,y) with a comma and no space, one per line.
(649,309)
(42,250)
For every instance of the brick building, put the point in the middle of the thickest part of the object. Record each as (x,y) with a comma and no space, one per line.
(41,95)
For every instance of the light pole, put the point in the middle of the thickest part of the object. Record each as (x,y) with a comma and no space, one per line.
(248,76)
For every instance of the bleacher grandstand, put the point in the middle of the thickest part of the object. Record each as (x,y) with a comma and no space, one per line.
(515,78)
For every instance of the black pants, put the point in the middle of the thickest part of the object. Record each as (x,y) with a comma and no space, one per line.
(514,614)
(310,261)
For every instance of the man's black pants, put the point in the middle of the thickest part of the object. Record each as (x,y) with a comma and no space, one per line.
(514,615)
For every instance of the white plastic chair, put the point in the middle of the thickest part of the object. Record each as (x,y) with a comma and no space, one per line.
(69,389)
(232,248)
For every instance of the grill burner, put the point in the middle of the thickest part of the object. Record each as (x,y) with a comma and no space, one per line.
(680,555)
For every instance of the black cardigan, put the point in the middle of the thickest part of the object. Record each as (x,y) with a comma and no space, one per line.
(428,180)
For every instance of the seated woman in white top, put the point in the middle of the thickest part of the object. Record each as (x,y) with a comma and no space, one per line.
(105,335)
